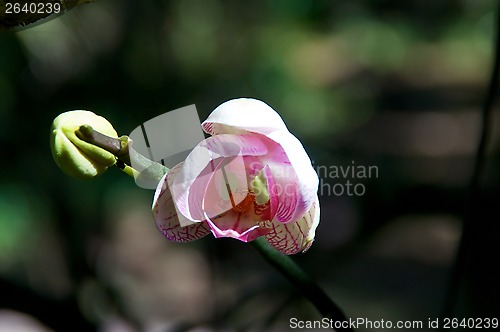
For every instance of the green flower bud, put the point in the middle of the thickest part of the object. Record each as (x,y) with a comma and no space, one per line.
(75,156)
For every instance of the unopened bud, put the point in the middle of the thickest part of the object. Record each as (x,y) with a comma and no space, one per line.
(72,154)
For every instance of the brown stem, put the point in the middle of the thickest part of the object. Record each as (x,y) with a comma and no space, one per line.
(149,171)
(117,146)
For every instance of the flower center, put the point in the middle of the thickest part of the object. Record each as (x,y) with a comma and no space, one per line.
(244,205)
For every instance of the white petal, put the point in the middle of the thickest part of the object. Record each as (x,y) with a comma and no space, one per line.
(238,116)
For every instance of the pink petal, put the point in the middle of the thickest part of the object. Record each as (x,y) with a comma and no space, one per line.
(165,213)
(225,188)
(296,180)
(297,236)
(253,165)
(268,211)
(203,161)
(198,188)
(241,226)
(251,222)
(243,115)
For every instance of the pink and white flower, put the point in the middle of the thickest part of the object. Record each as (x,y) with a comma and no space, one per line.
(251,178)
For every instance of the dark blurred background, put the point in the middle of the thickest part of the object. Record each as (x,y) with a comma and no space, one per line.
(392,84)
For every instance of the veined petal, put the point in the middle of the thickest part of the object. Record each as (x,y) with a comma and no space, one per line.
(296,180)
(241,226)
(199,166)
(166,216)
(239,116)
(297,236)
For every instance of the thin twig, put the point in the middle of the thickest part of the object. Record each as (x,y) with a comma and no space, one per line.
(310,289)
(469,223)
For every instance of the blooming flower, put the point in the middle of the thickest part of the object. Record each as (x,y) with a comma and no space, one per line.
(251,178)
